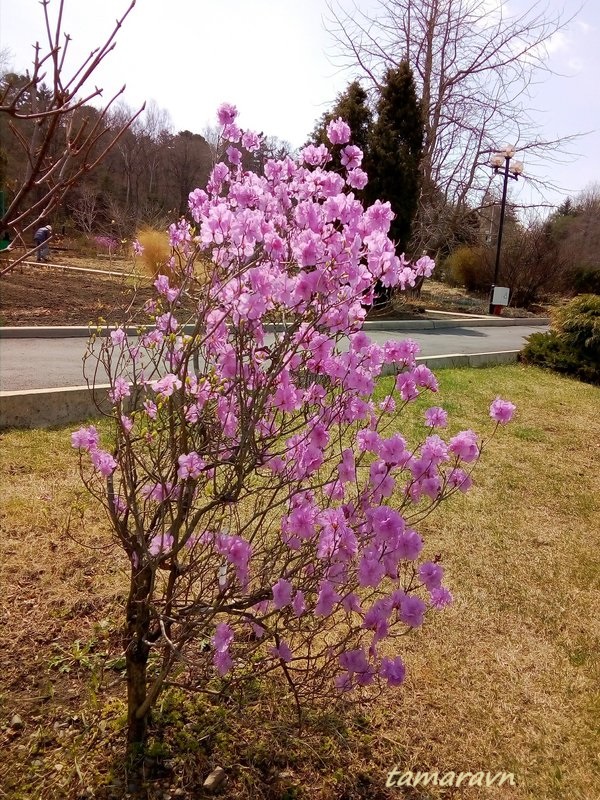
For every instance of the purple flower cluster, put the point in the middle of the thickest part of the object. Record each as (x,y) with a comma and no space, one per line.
(87,439)
(107,243)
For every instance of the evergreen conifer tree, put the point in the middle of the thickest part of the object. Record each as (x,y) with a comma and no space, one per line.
(352,106)
(395,148)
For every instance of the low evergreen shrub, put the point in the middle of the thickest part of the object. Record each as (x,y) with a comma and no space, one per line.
(586,281)
(572,347)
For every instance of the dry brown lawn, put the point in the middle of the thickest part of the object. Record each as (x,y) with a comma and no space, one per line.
(508,678)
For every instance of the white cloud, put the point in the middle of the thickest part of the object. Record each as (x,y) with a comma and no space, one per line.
(584,27)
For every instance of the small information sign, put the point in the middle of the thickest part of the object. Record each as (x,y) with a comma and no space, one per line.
(500,296)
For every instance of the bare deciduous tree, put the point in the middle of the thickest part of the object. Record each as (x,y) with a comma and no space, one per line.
(60,137)
(86,209)
(474,62)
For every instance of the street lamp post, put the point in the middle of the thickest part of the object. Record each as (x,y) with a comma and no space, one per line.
(502,162)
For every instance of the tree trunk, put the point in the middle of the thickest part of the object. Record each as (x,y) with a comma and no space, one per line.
(137,650)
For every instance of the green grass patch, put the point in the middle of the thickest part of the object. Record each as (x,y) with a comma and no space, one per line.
(505,679)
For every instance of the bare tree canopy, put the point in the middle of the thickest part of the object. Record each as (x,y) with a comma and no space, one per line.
(46,114)
(475,63)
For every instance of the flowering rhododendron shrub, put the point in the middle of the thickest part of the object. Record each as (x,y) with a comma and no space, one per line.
(107,243)
(265,502)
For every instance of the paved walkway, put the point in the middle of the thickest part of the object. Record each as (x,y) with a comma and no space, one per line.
(49,363)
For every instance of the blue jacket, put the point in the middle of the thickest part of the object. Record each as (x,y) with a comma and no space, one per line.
(41,235)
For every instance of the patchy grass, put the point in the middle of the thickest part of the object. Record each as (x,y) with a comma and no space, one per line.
(507,679)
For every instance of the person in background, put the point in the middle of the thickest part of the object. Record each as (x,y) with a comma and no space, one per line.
(41,239)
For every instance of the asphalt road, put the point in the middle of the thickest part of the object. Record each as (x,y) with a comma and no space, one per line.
(52,363)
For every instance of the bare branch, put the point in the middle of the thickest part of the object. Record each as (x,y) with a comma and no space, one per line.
(44,117)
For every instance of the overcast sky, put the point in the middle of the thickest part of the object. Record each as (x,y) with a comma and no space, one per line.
(271,58)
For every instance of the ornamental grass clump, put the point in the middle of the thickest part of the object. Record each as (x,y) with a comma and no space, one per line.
(153,249)
(266,503)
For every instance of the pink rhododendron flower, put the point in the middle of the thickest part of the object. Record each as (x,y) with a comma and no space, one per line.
(354,661)
(251,141)
(85,438)
(377,618)
(465,445)
(327,599)
(458,478)
(237,551)
(223,662)
(160,543)
(117,336)
(283,652)
(377,217)
(369,440)
(392,670)
(440,597)
(358,669)
(347,468)
(226,114)
(338,131)
(412,610)
(337,541)
(298,604)
(370,571)
(315,156)
(402,353)
(167,385)
(434,451)
(179,234)
(166,323)
(234,155)
(388,405)
(357,178)
(409,545)
(221,641)
(158,491)
(431,574)
(425,266)
(436,417)
(423,376)
(190,465)
(393,450)
(351,157)
(381,480)
(150,409)
(282,593)
(232,133)
(351,603)
(171,293)
(406,385)
(502,411)
(387,523)
(104,462)
(119,390)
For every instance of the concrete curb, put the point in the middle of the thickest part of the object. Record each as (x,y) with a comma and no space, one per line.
(82,331)
(43,408)
(464,322)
